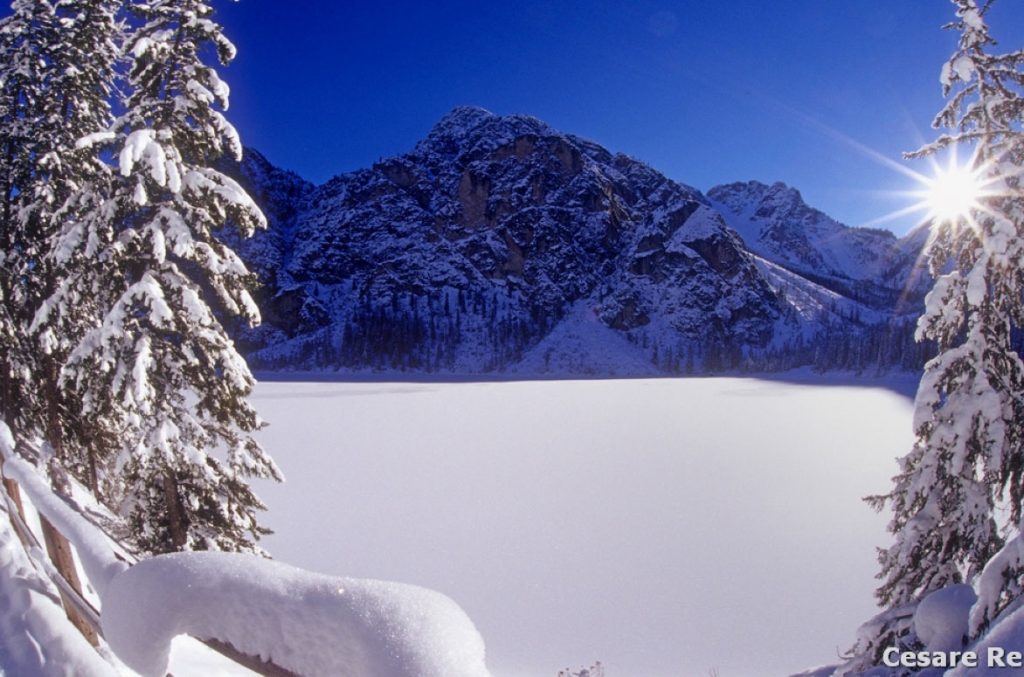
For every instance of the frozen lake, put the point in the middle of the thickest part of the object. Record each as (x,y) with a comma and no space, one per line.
(663,527)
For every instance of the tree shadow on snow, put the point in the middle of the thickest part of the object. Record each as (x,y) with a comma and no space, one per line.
(902,383)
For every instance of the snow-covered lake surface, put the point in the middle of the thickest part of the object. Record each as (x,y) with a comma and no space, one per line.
(663,527)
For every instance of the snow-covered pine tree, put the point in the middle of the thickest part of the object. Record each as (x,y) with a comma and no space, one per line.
(23,69)
(158,370)
(969,416)
(79,50)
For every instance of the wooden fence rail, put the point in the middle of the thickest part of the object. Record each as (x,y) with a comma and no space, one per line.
(60,569)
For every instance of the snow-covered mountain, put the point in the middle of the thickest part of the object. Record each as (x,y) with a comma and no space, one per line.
(868,265)
(499,244)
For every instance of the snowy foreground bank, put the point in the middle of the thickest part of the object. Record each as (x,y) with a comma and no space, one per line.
(306,623)
(663,527)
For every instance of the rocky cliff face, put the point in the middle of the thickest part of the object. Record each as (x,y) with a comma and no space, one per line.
(499,243)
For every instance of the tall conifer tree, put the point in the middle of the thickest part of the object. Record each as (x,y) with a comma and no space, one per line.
(25,64)
(158,368)
(969,418)
(81,51)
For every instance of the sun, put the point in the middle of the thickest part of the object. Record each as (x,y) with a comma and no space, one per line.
(953,193)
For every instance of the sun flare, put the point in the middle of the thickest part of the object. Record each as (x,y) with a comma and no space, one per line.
(953,193)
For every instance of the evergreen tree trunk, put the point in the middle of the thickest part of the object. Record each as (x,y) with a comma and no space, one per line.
(54,415)
(176,524)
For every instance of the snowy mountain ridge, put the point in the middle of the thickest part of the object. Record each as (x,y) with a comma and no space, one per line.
(465,254)
(776,223)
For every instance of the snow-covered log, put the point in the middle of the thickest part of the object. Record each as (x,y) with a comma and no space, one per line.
(311,624)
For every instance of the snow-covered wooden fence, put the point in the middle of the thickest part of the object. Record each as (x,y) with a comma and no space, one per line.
(266,616)
(59,566)
(80,612)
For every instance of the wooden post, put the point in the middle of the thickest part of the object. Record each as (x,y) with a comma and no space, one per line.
(12,490)
(63,561)
(60,554)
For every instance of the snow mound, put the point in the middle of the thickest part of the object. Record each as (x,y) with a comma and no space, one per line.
(703,224)
(1006,635)
(582,345)
(940,620)
(311,624)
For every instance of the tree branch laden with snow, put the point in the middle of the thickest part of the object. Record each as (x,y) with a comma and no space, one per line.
(968,462)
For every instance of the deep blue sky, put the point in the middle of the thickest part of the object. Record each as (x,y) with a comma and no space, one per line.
(705,91)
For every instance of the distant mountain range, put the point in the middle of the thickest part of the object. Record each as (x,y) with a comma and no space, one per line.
(500,245)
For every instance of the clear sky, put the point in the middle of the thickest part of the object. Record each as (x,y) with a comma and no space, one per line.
(705,91)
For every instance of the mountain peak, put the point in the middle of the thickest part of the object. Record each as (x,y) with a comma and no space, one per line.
(462,117)
(471,252)
(465,127)
(783,192)
(455,127)
(748,192)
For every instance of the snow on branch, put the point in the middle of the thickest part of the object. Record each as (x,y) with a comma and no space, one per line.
(1004,567)
(308,623)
